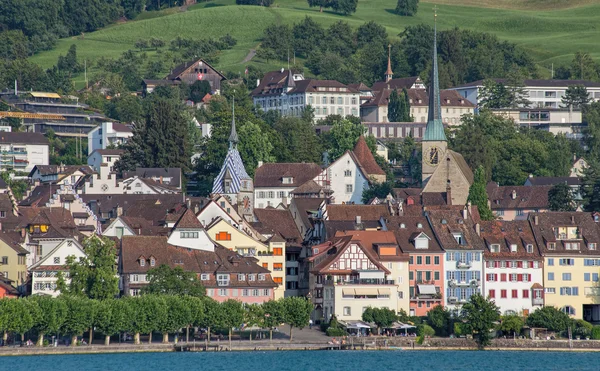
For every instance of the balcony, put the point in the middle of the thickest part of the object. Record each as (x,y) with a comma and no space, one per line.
(538,301)
(452,299)
(318,300)
(463,265)
(367,281)
(426,297)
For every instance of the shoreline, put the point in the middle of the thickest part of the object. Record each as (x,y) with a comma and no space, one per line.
(224,347)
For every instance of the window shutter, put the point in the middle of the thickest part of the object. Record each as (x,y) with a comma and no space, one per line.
(519,264)
(448,275)
(495,277)
(448,256)
(530,264)
(520,278)
(456,256)
(469,257)
(477,256)
(497,264)
(503,277)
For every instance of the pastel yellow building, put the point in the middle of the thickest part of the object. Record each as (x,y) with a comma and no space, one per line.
(569,243)
(270,254)
(13,259)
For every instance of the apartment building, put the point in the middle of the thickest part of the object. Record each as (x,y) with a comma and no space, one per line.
(541,93)
(516,202)
(513,272)
(274,182)
(22,151)
(290,94)
(569,243)
(108,134)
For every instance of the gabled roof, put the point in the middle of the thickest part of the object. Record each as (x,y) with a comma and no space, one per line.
(543,225)
(526,197)
(552,180)
(69,242)
(540,83)
(420,98)
(371,240)
(13,240)
(365,158)
(8,137)
(447,221)
(174,173)
(462,164)
(181,68)
(271,174)
(188,220)
(406,228)
(399,83)
(279,222)
(311,187)
(350,212)
(336,251)
(312,86)
(506,233)
(59,221)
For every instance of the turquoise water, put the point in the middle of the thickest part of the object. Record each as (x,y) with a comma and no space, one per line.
(311,360)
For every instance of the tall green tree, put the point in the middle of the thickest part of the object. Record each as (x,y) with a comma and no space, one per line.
(342,137)
(233,315)
(576,96)
(590,186)
(478,316)
(177,316)
(23,314)
(296,312)
(254,147)
(95,275)
(345,7)
(494,95)
(173,281)
(512,324)
(141,319)
(440,320)
(52,316)
(274,315)
(583,67)
(379,190)
(560,198)
(197,313)
(79,318)
(395,107)
(381,317)
(407,7)
(549,318)
(478,195)
(299,141)
(111,318)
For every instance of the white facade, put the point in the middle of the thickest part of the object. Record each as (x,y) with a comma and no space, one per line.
(106,134)
(464,272)
(117,229)
(136,185)
(346,180)
(97,158)
(272,196)
(509,283)
(104,182)
(23,157)
(45,272)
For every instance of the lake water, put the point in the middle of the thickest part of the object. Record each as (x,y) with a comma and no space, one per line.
(310,360)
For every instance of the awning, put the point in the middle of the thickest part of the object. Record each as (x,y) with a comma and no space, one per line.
(37,94)
(370,292)
(371,274)
(384,292)
(427,289)
(348,292)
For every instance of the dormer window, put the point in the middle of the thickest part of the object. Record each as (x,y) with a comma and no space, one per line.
(422,242)
(458,237)
(204,277)
(188,234)
(513,248)
(252,277)
(495,247)
(142,262)
(261,277)
(241,277)
(592,246)
(529,248)
(551,245)
(288,180)
(402,225)
(419,225)
(152,262)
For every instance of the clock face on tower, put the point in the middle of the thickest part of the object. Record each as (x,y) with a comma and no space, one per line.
(246,203)
(433,155)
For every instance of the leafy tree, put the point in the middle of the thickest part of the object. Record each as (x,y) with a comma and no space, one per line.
(395,107)
(343,136)
(346,7)
(196,306)
(494,95)
(111,318)
(440,319)
(339,39)
(140,320)
(173,281)
(142,44)
(478,194)
(95,275)
(177,316)
(478,316)
(254,146)
(590,186)
(274,315)
(560,198)
(299,142)
(278,38)
(156,43)
(5,317)
(307,36)
(516,86)
(296,312)
(69,63)
(80,316)
(582,328)
(320,3)
(52,316)
(425,330)
(372,33)
(591,117)
(583,67)
(163,140)
(125,108)
(379,190)
(198,90)
(407,7)
(381,317)
(512,324)
(576,96)
(233,315)
(214,316)
(22,314)
(549,318)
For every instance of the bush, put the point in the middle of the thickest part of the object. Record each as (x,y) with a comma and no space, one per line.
(425,330)
(336,331)
(458,331)
(582,328)
(596,333)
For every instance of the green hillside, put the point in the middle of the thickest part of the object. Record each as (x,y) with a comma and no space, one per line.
(552,34)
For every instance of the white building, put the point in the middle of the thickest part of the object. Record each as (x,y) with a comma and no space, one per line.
(104,156)
(513,267)
(290,94)
(45,272)
(274,182)
(22,151)
(108,134)
(541,93)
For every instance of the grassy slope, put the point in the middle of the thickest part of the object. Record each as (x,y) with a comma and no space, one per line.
(551,35)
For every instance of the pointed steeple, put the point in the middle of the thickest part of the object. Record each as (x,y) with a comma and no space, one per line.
(233,137)
(435,127)
(290,80)
(389,73)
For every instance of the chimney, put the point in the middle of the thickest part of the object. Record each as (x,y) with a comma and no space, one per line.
(358,219)
(572,219)
(536,220)
(478,229)
(161,180)
(469,207)
(196,209)
(464,213)
(189,203)
(448,193)
(514,195)
(260,163)
(257,82)
(23,232)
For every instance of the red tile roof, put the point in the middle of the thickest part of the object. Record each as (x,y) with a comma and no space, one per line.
(271,174)
(350,212)
(525,197)
(365,157)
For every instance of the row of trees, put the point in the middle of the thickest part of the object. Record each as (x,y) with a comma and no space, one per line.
(73,316)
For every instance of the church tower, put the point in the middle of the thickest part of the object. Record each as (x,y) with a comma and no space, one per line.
(389,74)
(434,140)
(233,182)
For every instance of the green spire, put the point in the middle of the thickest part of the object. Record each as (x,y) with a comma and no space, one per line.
(435,127)
(233,137)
